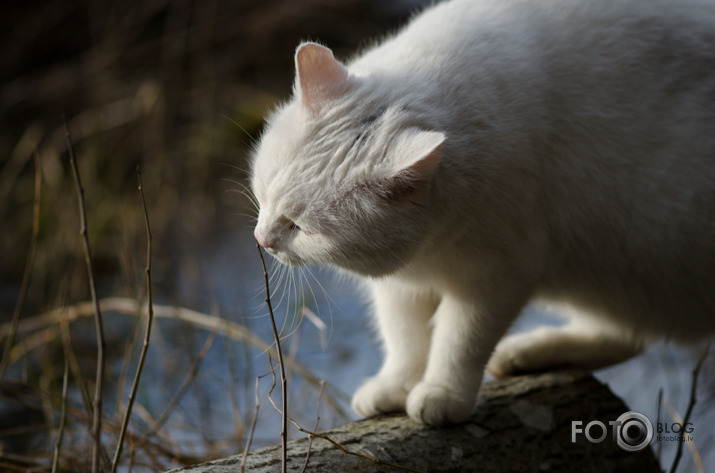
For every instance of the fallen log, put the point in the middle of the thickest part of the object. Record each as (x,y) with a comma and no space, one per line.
(521,424)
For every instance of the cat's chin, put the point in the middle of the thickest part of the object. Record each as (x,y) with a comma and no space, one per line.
(286,259)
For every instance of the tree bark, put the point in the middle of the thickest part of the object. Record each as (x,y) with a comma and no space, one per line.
(521,424)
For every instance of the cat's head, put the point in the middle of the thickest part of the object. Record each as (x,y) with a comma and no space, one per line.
(343,173)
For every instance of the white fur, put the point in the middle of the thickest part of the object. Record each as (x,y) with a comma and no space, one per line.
(497,152)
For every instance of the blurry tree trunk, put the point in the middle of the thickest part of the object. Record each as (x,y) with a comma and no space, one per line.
(521,424)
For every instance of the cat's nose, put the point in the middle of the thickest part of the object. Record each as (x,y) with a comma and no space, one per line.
(262,241)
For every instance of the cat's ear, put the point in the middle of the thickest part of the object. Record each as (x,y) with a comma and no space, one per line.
(319,76)
(420,151)
(416,155)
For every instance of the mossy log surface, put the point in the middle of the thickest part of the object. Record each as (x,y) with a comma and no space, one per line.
(521,424)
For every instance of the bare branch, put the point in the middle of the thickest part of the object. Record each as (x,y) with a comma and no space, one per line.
(284,411)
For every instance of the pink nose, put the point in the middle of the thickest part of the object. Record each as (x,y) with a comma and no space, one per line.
(264,243)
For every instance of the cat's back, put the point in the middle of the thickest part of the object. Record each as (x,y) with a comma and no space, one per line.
(594,120)
(458,34)
(639,71)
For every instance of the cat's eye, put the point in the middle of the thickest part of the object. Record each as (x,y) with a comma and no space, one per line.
(291,225)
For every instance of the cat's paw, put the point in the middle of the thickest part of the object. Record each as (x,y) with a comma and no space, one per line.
(438,405)
(378,395)
(522,353)
(509,356)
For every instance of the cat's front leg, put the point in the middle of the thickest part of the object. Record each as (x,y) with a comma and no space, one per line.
(403,317)
(464,335)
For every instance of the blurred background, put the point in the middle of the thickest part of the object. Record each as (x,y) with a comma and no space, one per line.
(179,89)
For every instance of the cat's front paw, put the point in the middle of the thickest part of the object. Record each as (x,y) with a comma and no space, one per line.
(438,405)
(379,395)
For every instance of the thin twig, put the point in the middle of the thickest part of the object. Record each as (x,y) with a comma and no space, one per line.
(253,424)
(276,337)
(71,356)
(4,361)
(238,422)
(147,336)
(689,442)
(132,454)
(99,381)
(659,446)
(315,428)
(63,417)
(689,411)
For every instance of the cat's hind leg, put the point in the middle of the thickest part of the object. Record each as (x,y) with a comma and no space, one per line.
(579,344)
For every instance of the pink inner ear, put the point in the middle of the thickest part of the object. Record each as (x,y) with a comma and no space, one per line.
(320,76)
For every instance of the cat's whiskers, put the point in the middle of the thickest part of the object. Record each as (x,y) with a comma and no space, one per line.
(287,288)
(278,286)
(245,190)
(325,293)
(293,290)
(252,141)
(289,292)
(276,268)
(248,220)
(293,313)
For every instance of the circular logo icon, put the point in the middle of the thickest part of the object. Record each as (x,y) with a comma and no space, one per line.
(634,431)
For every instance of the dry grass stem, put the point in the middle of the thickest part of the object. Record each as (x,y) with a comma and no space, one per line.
(659,445)
(253,426)
(123,305)
(63,418)
(147,336)
(688,413)
(193,371)
(71,356)
(99,380)
(673,413)
(315,427)
(5,361)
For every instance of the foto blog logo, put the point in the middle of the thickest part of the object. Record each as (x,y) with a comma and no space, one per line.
(632,431)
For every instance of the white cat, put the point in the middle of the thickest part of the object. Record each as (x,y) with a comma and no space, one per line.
(497,152)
